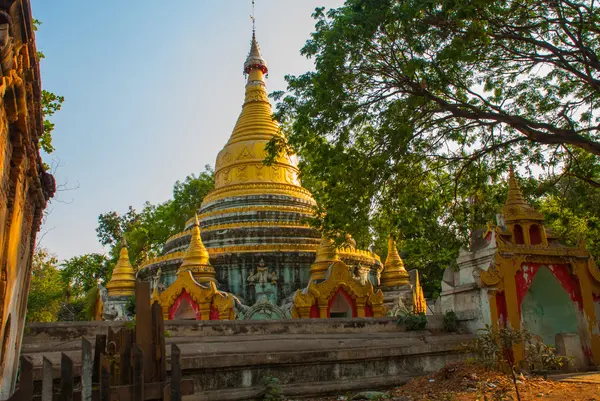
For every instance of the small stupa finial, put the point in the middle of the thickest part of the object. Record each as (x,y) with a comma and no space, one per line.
(122,282)
(196,257)
(515,207)
(394,273)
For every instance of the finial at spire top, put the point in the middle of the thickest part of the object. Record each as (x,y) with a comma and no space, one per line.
(123,241)
(255,61)
(253,19)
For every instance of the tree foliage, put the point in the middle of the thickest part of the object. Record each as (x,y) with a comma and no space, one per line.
(51,103)
(82,273)
(59,292)
(46,290)
(146,231)
(416,109)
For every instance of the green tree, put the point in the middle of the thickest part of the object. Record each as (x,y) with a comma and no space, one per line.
(571,206)
(51,103)
(46,291)
(146,231)
(416,109)
(82,273)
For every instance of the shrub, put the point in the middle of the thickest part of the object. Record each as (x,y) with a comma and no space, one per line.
(493,348)
(272,389)
(450,322)
(413,321)
(130,306)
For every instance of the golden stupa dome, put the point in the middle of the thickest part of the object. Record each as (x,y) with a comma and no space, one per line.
(239,168)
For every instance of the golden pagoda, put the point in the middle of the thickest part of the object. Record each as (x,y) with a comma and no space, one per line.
(394,274)
(122,282)
(257,243)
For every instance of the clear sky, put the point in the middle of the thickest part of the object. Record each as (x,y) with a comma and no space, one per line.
(152,89)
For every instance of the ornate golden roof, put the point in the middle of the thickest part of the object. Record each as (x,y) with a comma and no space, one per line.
(196,258)
(516,208)
(122,282)
(394,274)
(240,165)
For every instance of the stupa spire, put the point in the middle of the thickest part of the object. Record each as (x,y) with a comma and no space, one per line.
(515,196)
(515,207)
(197,259)
(394,274)
(122,282)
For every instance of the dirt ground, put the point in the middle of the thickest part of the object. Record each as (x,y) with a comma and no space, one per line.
(469,382)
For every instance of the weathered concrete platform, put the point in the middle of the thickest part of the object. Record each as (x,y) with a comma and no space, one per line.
(228,360)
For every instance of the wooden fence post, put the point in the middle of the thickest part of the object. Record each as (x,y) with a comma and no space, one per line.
(47,380)
(138,374)
(125,356)
(104,378)
(99,349)
(143,328)
(158,337)
(66,378)
(86,370)
(175,373)
(25,391)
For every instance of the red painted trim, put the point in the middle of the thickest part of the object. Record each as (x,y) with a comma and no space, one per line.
(175,307)
(535,237)
(502,310)
(518,234)
(214,313)
(349,299)
(314,312)
(368,311)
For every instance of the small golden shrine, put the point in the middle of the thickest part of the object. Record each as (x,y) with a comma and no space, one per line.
(122,282)
(334,291)
(194,294)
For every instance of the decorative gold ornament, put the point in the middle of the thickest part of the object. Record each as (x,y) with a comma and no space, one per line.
(419,302)
(257,188)
(263,208)
(326,255)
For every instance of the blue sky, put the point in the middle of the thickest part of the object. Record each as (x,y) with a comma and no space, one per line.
(152,91)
